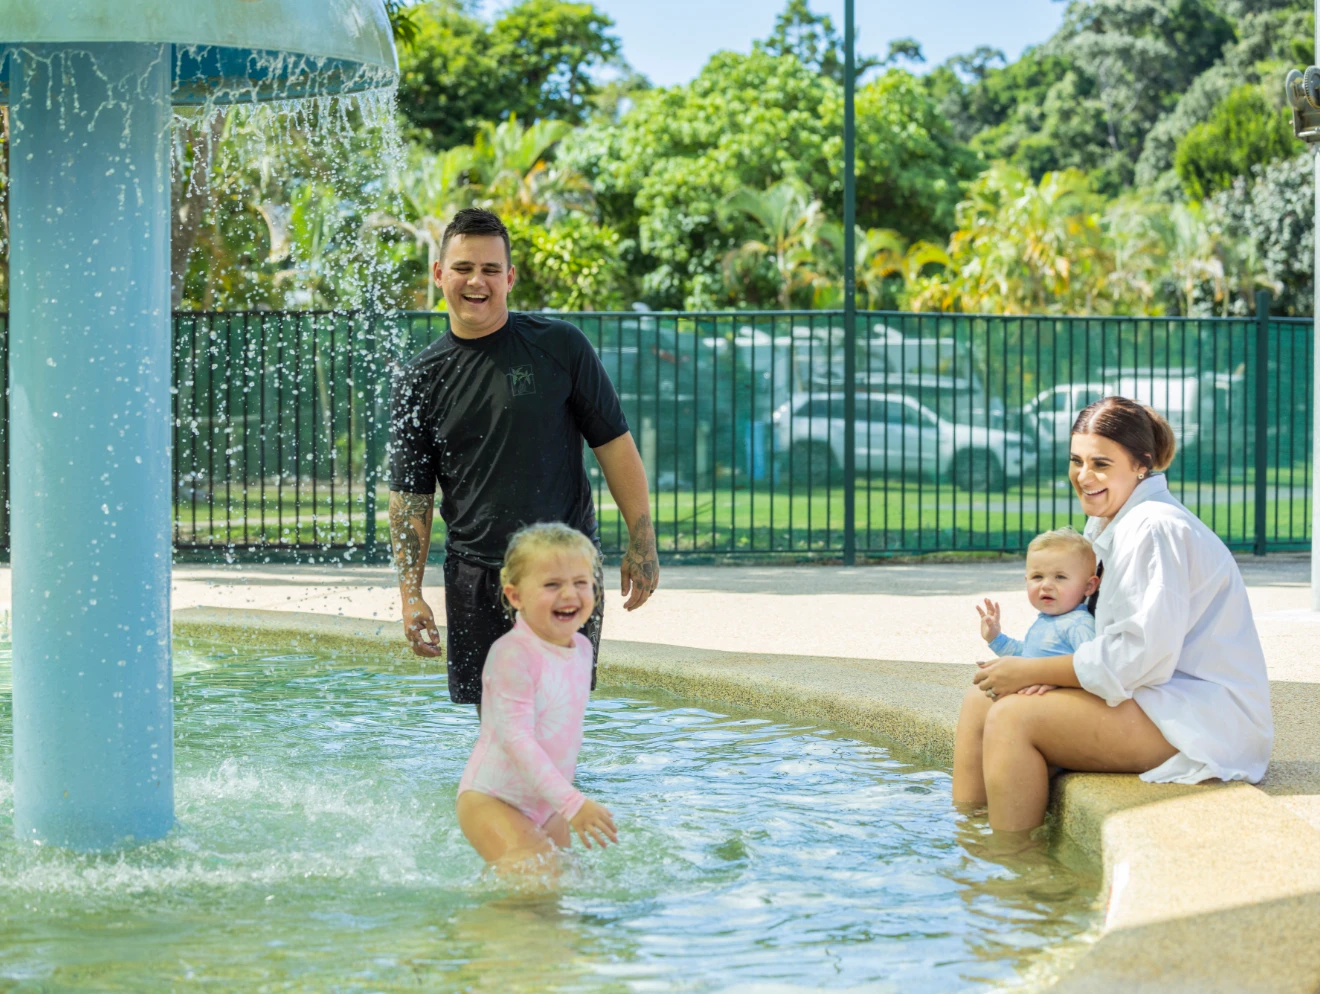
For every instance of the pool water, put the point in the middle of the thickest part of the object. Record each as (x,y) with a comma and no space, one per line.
(317,850)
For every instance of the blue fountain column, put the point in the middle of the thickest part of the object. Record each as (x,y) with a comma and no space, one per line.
(90,459)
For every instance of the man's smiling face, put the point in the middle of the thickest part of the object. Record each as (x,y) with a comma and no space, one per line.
(476,278)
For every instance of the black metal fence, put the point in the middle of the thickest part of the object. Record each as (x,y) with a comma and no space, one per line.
(960,433)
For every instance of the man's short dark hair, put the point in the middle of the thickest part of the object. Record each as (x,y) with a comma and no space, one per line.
(477,221)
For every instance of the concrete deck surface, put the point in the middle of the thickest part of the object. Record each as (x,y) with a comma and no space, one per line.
(922,613)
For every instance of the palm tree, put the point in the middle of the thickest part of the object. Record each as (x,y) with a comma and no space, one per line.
(432,189)
(512,166)
(1023,246)
(314,219)
(881,254)
(790,222)
(1135,231)
(1194,254)
(1245,273)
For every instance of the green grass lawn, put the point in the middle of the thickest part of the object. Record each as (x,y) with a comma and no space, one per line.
(890,520)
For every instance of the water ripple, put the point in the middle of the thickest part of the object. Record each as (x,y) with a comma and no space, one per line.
(317,849)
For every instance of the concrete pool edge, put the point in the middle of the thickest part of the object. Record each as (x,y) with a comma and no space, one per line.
(1208,888)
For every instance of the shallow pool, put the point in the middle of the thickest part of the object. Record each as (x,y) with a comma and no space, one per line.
(317,850)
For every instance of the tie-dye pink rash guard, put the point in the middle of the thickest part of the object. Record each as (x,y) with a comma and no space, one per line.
(533,702)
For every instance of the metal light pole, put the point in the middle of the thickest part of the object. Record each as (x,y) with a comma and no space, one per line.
(850,289)
(1302,90)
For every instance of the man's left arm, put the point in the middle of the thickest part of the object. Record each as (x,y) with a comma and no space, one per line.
(625,475)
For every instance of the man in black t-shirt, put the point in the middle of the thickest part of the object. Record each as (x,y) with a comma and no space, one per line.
(496,412)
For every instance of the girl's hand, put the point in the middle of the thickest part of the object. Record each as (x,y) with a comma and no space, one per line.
(989,620)
(1038,688)
(1001,677)
(594,821)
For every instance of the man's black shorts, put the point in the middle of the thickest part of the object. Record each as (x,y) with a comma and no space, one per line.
(475,617)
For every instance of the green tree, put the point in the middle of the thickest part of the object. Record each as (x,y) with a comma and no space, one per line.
(1272,211)
(535,61)
(571,265)
(661,172)
(886,266)
(1088,97)
(512,171)
(813,40)
(1245,130)
(432,188)
(401,21)
(787,220)
(1023,247)
(1195,259)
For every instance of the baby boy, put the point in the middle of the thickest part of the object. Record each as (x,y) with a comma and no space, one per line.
(1060,577)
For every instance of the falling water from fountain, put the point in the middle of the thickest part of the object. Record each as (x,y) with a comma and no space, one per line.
(91,86)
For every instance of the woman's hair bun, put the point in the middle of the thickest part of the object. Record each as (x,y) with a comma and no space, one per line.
(1165,444)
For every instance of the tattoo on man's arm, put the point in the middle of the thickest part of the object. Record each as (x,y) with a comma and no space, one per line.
(642,560)
(410,517)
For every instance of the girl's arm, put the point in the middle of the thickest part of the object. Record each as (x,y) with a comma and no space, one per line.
(509,704)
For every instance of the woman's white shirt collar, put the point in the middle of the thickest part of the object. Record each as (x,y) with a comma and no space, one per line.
(1102,535)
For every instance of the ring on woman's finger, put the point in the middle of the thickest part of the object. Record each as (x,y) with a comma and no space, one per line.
(991,694)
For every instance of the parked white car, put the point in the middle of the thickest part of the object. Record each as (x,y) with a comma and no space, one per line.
(1207,411)
(896,437)
(1052,412)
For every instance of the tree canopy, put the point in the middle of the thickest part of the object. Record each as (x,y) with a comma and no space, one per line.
(663,169)
(1138,161)
(536,60)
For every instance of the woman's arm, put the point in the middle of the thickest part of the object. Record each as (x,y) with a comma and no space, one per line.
(1150,593)
(1140,648)
(1010,674)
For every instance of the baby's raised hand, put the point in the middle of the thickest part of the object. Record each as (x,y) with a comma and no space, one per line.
(594,821)
(989,620)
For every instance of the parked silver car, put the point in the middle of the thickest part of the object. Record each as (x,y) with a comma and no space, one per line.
(895,437)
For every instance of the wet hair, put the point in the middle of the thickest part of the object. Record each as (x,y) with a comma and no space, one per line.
(1066,539)
(477,221)
(1141,430)
(528,544)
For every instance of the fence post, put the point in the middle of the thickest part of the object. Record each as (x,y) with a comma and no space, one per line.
(1262,413)
(5,545)
(849,293)
(370,551)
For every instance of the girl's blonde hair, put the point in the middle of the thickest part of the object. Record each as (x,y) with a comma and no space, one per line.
(526,544)
(1066,538)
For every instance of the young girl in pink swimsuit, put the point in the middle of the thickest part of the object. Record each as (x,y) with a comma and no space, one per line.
(516,799)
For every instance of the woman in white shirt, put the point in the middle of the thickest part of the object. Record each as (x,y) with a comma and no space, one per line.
(1174,684)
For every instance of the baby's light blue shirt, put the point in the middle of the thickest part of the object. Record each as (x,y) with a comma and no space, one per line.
(1050,635)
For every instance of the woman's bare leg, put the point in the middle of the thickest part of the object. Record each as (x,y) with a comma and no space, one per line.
(501,834)
(968,779)
(1069,728)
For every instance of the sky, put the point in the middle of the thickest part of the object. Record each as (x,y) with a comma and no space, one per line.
(670,40)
